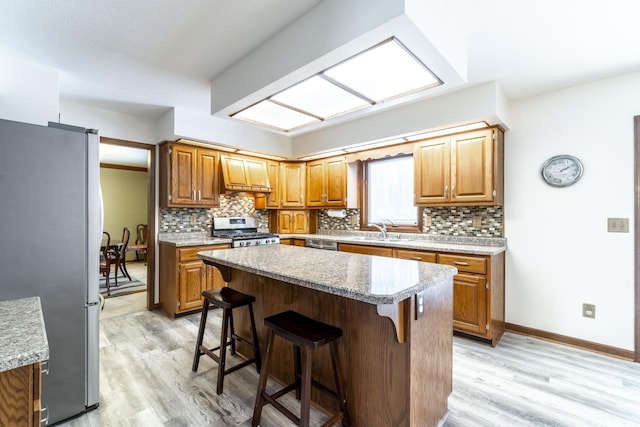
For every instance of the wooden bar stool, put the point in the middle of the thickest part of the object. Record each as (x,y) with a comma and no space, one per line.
(227,299)
(306,335)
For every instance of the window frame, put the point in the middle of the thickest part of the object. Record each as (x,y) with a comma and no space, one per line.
(364,200)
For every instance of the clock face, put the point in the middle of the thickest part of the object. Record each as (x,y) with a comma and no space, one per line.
(563,170)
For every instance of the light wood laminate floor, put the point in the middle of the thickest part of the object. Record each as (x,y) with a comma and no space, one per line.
(146,380)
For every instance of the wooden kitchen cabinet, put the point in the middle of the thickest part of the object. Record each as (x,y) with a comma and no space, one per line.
(183,277)
(20,391)
(292,184)
(478,294)
(293,222)
(244,173)
(478,288)
(462,169)
(327,183)
(273,172)
(188,176)
(365,249)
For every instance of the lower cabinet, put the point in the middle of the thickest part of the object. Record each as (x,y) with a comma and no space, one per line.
(183,277)
(20,390)
(293,242)
(478,288)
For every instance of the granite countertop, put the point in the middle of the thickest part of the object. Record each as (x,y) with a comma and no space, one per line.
(190,239)
(371,279)
(23,338)
(459,244)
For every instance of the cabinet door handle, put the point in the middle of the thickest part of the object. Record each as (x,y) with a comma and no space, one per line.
(461,263)
(415,258)
(453,191)
(44,367)
(194,194)
(44,420)
(199,195)
(446,191)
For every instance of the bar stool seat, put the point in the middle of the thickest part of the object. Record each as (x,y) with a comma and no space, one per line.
(227,299)
(306,335)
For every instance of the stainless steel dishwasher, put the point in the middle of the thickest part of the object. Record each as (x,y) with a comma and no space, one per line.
(328,245)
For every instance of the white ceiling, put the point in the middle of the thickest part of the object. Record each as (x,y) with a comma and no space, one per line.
(144,57)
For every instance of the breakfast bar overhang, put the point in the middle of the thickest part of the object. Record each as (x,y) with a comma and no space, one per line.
(396,317)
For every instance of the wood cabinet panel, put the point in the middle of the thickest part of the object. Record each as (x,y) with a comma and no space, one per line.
(364,249)
(462,169)
(183,277)
(465,263)
(20,390)
(292,187)
(470,304)
(293,222)
(415,255)
(471,175)
(188,176)
(327,183)
(273,172)
(432,163)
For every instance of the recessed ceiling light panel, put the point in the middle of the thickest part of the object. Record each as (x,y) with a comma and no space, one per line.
(320,98)
(383,72)
(270,114)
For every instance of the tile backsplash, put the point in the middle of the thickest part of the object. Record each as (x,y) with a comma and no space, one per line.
(445,221)
(188,220)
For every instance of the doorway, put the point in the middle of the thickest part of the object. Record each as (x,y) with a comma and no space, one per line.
(122,163)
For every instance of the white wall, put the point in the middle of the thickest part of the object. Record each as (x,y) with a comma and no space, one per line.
(109,123)
(28,92)
(560,254)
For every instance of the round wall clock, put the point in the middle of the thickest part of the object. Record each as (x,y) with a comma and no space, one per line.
(562,170)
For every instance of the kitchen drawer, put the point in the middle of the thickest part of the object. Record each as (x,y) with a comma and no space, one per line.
(465,263)
(191,253)
(415,255)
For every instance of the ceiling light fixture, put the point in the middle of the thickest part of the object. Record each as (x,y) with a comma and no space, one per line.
(384,72)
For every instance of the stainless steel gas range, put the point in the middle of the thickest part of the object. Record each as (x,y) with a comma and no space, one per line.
(243,231)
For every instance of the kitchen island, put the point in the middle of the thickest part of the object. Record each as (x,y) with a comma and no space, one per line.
(396,317)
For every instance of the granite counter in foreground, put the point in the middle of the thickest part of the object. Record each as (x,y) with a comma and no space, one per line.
(371,279)
(23,338)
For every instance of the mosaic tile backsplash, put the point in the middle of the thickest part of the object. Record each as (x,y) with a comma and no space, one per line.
(188,220)
(445,221)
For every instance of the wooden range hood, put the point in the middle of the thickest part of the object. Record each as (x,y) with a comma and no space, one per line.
(244,174)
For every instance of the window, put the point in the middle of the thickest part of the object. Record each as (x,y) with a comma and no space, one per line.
(388,194)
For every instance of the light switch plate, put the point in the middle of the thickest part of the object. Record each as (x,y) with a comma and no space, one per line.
(618,225)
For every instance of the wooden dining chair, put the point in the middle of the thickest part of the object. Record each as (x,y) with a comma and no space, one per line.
(117,255)
(105,261)
(140,245)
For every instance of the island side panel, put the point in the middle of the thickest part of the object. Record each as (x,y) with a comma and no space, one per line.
(431,355)
(375,366)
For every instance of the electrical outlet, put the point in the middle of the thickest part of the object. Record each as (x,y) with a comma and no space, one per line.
(589,310)
(193,220)
(427,221)
(618,225)
(477,221)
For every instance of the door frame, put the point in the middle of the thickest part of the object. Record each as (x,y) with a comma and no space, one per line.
(151,212)
(636,235)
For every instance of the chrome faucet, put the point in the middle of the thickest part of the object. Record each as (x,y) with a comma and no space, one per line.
(382,229)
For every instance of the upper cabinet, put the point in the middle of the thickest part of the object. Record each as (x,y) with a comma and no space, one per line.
(273,172)
(462,169)
(292,177)
(188,176)
(244,174)
(327,183)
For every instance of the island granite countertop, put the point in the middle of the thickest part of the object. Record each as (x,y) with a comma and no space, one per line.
(23,338)
(367,278)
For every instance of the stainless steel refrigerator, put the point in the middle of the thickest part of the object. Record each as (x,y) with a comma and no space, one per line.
(50,231)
